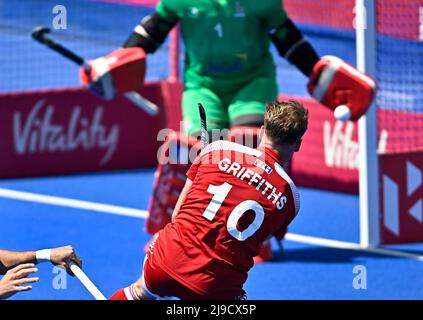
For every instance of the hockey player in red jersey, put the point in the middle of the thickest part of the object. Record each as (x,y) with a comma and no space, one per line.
(235,198)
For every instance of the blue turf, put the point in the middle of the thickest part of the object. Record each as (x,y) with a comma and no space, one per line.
(323,212)
(310,272)
(103,241)
(95,187)
(112,246)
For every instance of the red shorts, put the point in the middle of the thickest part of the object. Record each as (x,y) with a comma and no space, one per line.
(159,283)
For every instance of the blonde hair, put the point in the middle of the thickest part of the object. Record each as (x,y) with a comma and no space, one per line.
(286,121)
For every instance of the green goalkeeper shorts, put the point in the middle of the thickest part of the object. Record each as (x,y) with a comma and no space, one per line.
(229,104)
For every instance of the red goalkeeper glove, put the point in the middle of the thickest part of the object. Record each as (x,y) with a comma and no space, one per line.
(121,71)
(335,83)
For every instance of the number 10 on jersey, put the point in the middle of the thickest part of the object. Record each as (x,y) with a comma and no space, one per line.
(219,195)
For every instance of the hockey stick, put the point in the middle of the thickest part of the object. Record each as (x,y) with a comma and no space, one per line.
(39,34)
(88,284)
(204,134)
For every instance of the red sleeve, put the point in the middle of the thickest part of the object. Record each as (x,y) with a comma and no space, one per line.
(289,214)
(192,171)
(279,234)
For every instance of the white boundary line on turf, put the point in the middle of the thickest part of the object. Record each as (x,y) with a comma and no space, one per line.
(72,203)
(137,213)
(350,246)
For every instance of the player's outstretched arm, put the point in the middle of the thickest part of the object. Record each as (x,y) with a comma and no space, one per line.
(291,44)
(150,33)
(334,83)
(10,259)
(60,256)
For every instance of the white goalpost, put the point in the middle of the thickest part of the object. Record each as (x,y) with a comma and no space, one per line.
(365,25)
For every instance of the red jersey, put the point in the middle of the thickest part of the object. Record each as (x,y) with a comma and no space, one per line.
(239,197)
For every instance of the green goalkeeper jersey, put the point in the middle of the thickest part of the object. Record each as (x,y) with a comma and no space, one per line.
(225,40)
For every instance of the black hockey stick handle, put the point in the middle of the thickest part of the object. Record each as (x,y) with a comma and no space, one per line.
(39,34)
(204,134)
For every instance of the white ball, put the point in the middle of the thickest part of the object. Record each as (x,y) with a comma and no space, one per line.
(342,113)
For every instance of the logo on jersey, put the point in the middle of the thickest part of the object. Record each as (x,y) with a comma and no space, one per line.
(260,164)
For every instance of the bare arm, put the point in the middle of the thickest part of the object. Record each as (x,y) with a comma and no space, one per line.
(18,265)
(58,256)
(182,198)
(10,259)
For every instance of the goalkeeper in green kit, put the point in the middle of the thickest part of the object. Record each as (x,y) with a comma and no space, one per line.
(228,65)
(230,70)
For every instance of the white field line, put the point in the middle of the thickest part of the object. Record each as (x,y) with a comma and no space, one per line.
(72,203)
(137,213)
(350,246)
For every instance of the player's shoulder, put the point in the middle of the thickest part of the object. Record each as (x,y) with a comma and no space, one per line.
(225,145)
(283,179)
